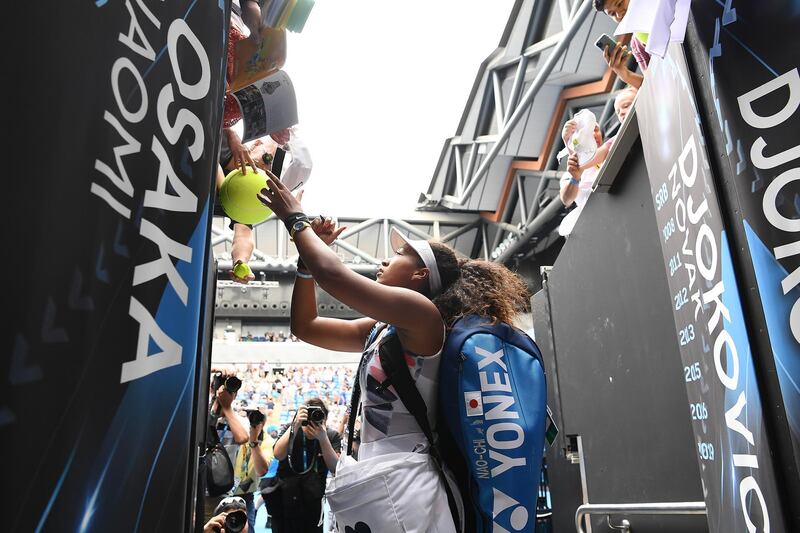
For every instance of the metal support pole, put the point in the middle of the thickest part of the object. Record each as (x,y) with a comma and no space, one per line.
(509,227)
(460,231)
(529,95)
(459,169)
(521,202)
(564,9)
(574,8)
(269,266)
(355,251)
(519,81)
(535,203)
(498,100)
(349,232)
(219,239)
(411,229)
(258,254)
(473,155)
(282,244)
(545,216)
(485,239)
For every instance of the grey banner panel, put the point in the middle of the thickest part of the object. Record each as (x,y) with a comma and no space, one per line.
(564,475)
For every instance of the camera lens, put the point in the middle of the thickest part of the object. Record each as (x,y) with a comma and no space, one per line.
(235,521)
(317,415)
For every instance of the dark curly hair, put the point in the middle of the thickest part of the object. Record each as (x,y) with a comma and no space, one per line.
(473,287)
(599,5)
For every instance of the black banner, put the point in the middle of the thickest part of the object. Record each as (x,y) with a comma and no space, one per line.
(724,402)
(122,101)
(749,55)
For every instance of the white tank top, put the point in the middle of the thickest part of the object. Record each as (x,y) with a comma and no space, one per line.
(386,425)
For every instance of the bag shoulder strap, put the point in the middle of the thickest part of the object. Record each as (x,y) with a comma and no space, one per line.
(392,357)
(212,435)
(355,396)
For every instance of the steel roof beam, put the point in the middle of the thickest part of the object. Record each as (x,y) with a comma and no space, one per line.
(541,76)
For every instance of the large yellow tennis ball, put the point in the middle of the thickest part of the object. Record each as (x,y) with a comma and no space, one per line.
(237,194)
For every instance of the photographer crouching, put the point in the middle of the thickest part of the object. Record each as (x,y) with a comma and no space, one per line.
(307,451)
(229,516)
(253,456)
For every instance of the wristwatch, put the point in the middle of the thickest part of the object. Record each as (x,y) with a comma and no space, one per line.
(300,225)
(253,444)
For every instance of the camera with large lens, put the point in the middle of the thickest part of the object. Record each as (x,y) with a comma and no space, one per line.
(315,414)
(255,417)
(232,383)
(235,521)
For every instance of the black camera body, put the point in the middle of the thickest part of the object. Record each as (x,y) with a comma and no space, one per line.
(232,383)
(255,417)
(315,414)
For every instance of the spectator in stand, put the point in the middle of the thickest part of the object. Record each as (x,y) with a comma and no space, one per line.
(617,58)
(577,182)
(233,153)
(624,101)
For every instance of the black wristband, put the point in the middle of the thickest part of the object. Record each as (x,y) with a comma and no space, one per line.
(294,217)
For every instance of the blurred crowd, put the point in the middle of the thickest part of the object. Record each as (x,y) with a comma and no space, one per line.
(279,392)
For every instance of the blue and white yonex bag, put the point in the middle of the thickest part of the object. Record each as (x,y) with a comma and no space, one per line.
(493,412)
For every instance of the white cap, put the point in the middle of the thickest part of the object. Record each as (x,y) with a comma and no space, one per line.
(425,252)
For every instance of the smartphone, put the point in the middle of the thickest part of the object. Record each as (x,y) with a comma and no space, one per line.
(277,162)
(604,41)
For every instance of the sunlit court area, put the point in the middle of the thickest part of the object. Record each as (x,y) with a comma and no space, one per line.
(455,266)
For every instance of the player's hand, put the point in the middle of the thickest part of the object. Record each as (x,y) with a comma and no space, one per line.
(280,199)
(326,229)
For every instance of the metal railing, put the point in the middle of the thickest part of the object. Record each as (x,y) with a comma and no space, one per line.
(668,508)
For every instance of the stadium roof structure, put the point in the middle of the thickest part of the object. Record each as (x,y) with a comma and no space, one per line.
(501,163)
(494,191)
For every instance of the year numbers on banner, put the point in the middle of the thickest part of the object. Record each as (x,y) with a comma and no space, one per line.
(692,372)
(706,450)
(686,335)
(674,264)
(669,229)
(662,195)
(699,411)
(681,298)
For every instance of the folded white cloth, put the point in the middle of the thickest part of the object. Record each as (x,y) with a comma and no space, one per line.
(663,20)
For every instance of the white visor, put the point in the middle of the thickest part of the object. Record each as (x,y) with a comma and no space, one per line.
(424,251)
